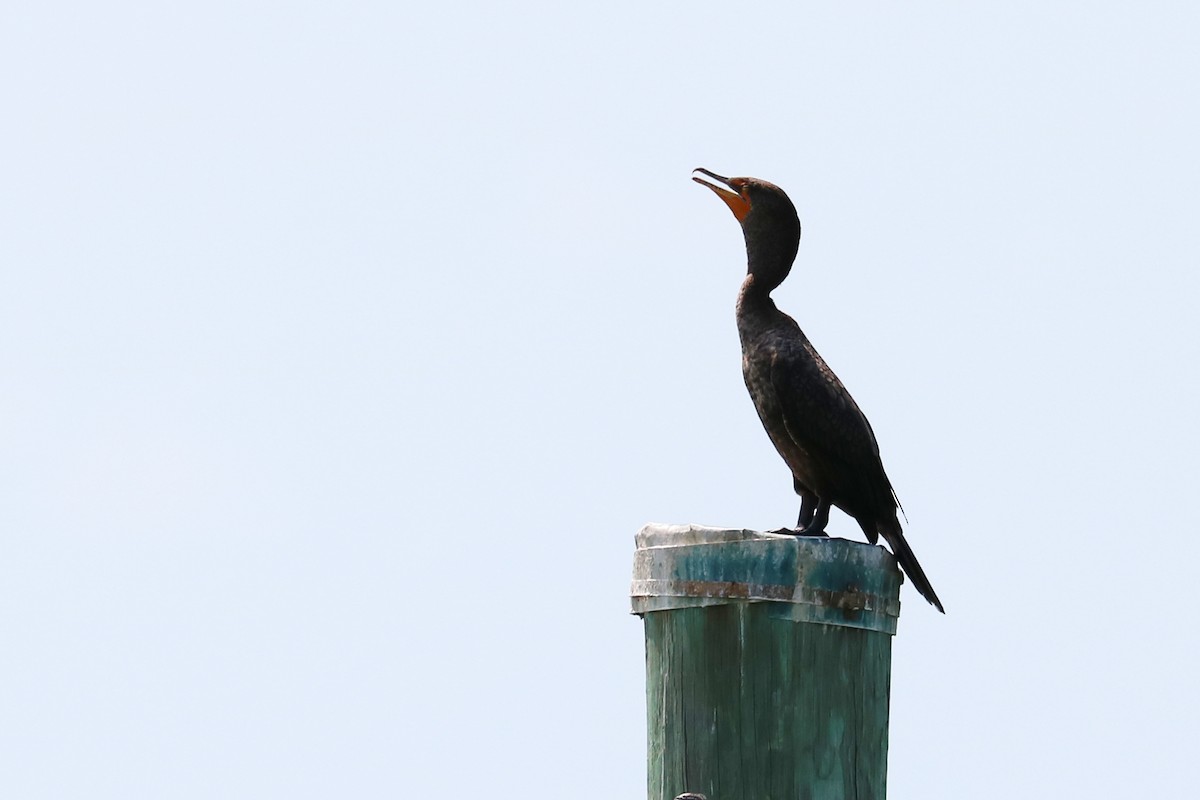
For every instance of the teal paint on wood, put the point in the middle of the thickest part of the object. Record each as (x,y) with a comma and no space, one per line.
(749,698)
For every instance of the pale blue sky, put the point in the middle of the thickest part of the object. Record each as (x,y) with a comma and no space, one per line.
(345,347)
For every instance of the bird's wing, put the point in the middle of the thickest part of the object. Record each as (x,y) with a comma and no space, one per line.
(823,419)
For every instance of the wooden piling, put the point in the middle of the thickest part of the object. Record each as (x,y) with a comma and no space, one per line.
(768,663)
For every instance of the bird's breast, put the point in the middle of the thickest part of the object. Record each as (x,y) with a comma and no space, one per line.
(757,366)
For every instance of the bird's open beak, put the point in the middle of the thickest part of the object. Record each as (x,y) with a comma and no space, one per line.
(733,198)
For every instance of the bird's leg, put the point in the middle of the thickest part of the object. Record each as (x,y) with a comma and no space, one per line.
(814,515)
(808,509)
(818,517)
(808,506)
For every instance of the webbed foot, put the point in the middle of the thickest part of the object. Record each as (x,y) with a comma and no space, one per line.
(801,532)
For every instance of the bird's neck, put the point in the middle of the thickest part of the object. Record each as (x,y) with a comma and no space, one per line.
(769,259)
(755,297)
(767,263)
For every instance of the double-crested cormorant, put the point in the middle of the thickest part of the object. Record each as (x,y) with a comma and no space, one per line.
(812,420)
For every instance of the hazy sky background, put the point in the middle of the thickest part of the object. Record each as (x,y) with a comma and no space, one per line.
(345,347)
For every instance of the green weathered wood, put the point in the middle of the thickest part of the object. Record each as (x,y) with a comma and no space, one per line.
(744,702)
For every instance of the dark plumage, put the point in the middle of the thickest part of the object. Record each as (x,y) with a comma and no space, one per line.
(812,420)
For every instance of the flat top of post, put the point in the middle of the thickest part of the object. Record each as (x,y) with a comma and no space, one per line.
(816,579)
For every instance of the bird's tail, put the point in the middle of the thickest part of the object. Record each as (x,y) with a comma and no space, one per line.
(894,536)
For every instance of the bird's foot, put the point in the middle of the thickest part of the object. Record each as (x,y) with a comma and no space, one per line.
(802,532)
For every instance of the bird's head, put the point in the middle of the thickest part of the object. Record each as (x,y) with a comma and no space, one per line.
(768,218)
